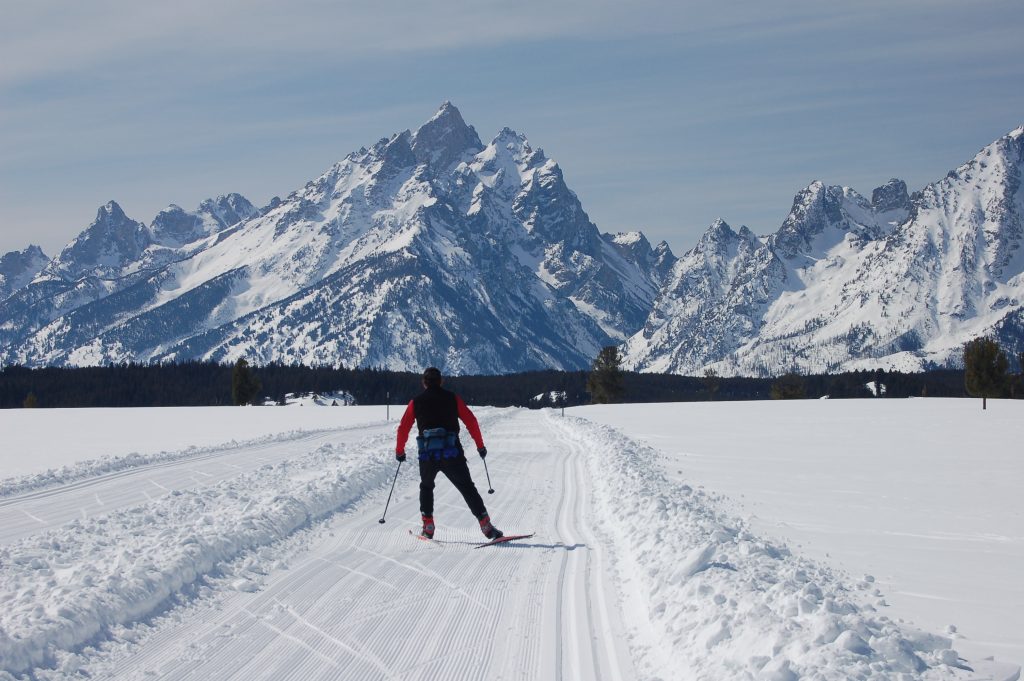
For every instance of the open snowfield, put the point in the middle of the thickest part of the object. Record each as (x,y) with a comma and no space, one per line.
(925,495)
(34,440)
(264,558)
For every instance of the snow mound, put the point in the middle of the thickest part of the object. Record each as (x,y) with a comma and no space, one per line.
(725,604)
(67,588)
(105,465)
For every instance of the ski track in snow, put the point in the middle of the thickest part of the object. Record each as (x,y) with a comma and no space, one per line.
(282,572)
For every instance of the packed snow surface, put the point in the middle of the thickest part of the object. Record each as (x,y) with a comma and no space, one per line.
(265,559)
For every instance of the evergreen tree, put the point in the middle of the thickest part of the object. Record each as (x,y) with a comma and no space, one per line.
(985,367)
(711,383)
(789,387)
(605,383)
(1017,386)
(31,402)
(245,387)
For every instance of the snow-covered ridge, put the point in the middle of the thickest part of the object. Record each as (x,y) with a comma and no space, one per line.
(727,603)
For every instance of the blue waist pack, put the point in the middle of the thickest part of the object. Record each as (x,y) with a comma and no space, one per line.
(436,444)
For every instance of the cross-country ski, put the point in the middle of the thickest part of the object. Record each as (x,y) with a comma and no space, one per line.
(504,539)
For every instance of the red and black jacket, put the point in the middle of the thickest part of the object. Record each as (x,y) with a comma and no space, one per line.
(437,408)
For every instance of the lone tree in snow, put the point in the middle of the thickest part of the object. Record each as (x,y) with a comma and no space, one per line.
(985,367)
(605,383)
(789,387)
(245,387)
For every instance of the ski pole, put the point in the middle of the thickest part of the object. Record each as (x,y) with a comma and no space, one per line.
(381,521)
(490,488)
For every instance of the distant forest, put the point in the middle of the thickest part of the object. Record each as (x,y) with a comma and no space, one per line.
(208,384)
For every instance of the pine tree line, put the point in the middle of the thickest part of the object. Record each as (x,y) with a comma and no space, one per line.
(210,384)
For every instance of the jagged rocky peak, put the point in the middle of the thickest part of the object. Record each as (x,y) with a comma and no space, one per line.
(815,208)
(16,260)
(112,240)
(718,231)
(508,146)
(662,260)
(229,209)
(815,204)
(516,142)
(110,213)
(635,247)
(1012,145)
(396,151)
(174,226)
(18,268)
(634,241)
(891,196)
(112,223)
(721,239)
(445,138)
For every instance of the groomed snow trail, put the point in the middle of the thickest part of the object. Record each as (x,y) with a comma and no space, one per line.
(283,572)
(368,601)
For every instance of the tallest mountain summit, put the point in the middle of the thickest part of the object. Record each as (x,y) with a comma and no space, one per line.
(445,138)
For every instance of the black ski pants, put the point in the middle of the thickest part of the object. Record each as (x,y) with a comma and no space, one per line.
(456,470)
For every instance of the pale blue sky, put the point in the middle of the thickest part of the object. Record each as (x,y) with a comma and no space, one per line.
(663,115)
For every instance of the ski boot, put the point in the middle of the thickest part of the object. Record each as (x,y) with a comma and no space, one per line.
(490,531)
(428,527)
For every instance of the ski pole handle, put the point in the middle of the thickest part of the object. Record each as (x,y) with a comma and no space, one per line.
(381,521)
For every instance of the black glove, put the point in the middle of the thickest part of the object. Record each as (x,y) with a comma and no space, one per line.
(400,456)
(482,451)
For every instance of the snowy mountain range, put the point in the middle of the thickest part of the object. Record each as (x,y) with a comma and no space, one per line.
(432,247)
(898,281)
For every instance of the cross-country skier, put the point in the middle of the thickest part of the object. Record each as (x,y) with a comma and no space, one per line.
(436,412)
